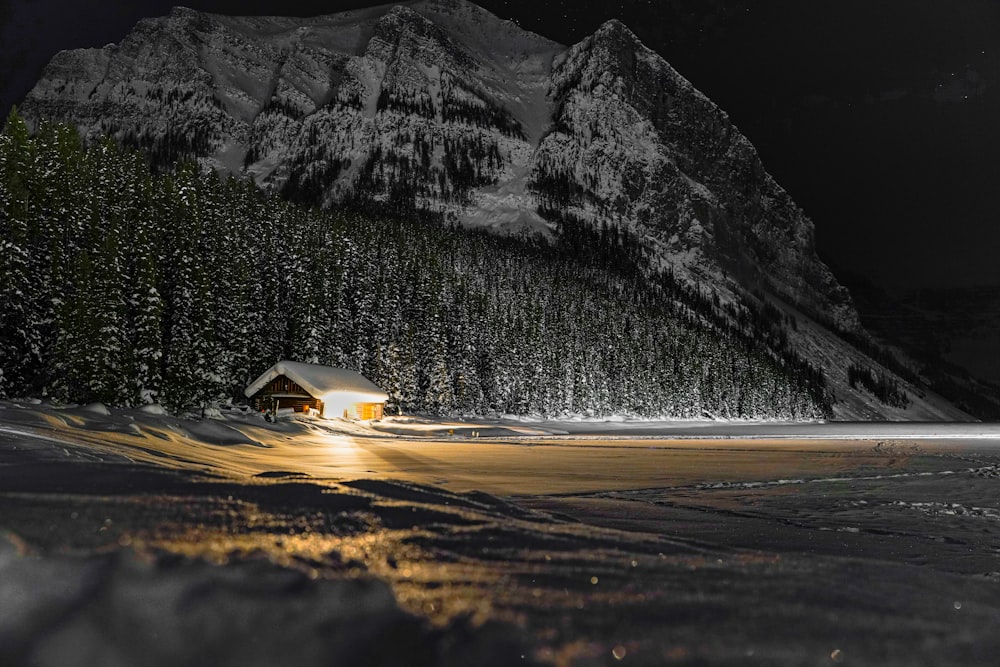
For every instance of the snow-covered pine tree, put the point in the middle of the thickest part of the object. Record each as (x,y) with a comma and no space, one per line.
(190,369)
(35,186)
(210,282)
(19,346)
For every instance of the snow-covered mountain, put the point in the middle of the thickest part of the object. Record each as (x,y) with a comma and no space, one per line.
(440,106)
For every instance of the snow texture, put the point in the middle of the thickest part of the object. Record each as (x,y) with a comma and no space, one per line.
(617,543)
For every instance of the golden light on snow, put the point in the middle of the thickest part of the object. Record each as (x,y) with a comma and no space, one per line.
(343,500)
(348,452)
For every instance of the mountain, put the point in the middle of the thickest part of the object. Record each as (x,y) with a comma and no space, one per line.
(439,107)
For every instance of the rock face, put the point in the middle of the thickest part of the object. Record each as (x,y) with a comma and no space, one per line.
(440,106)
(636,141)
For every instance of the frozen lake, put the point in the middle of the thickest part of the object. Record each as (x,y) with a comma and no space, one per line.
(132,537)
(747,430)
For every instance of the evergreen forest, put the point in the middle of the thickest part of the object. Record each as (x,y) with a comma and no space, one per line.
(131,286)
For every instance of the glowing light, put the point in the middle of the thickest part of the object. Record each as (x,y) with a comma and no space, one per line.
(335,404)
(341,403)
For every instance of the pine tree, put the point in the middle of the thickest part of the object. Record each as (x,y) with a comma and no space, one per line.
(120,286)
(20,338)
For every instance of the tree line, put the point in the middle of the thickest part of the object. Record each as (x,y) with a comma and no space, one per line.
(130,287)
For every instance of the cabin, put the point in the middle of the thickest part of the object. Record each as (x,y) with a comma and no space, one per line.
(333,392)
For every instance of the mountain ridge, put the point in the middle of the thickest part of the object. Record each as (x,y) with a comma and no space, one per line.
(263,99)
(414,107)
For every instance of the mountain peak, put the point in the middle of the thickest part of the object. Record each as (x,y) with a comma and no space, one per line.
(617,27)
(182,12)
(405,14)
(616,32)
(454,6)
(440,105)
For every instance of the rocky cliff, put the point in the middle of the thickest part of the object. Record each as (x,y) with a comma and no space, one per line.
(438,105)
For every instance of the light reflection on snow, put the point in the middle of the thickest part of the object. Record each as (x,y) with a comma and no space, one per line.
(450,454)
(702,532)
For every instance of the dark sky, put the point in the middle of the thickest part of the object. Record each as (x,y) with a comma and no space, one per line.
(880,117)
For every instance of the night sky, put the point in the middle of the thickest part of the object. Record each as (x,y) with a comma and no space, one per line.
(881,118)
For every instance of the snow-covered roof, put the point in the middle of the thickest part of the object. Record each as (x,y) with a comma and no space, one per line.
(321,381)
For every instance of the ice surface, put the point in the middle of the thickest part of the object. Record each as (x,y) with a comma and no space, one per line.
(477,542)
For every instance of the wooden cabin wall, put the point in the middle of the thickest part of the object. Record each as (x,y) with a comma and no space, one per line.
(365,411)
(301,400)
(282,385)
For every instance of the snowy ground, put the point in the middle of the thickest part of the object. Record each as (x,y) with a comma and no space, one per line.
(136,538)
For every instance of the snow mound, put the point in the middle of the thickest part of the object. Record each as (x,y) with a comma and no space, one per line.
(133,608)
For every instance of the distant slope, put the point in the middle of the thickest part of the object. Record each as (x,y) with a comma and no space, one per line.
(952,335)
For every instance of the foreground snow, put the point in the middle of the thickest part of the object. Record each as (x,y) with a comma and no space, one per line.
(133,537)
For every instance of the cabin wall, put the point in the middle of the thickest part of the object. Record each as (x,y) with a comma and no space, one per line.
(365,411)
(298,403)
(359,411)
(282,393)
(282,385)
